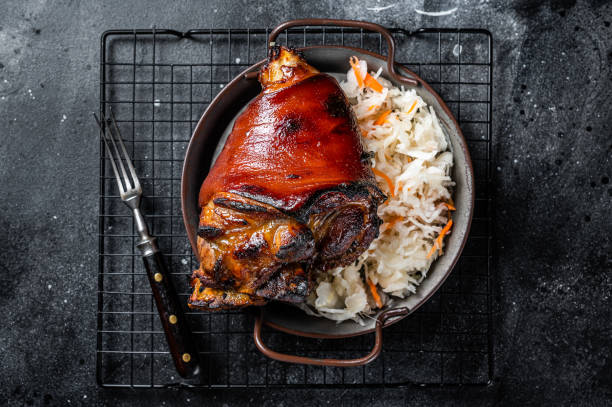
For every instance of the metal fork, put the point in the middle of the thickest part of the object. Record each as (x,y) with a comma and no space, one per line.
(178,334)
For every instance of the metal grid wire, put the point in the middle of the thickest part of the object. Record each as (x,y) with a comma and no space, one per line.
(158,83)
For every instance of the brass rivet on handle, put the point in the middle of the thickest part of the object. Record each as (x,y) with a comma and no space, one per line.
(186,357)
(172,318)
(158,277)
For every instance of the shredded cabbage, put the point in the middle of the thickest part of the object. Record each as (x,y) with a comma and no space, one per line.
(410,148)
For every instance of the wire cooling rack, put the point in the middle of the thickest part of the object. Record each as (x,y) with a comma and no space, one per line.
(158,83)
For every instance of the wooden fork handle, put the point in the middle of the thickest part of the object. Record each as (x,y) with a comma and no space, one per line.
(178,333)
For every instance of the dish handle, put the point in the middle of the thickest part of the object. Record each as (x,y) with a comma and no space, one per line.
(283,357)
(364,25)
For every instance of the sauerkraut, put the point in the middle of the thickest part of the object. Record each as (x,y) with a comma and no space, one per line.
(412,164)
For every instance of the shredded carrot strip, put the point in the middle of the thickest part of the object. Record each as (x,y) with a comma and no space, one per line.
(438,242)
(372,83)
(387,180)
(393,221)
(382,118)
(450,206)
(396,219)
(373,107)
(412,107)
(364,133)
(433,250)
(375,294)
(442,233)
(389,225)
(355,64)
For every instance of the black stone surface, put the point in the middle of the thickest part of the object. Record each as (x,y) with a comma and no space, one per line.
(553,147)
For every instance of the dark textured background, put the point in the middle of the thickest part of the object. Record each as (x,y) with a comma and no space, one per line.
(552,143)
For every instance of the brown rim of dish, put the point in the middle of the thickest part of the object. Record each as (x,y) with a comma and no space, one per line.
(421,82)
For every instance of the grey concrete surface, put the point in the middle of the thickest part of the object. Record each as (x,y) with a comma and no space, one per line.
(553,148)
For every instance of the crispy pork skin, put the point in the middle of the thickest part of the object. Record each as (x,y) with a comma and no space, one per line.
(291,192)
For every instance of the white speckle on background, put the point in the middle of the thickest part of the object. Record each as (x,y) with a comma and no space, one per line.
(498,169)
(63,118)
(84,396)
(5,81)
(65,301)
(184,261)
(436,13)
(515,161)
(49,286)
(378,9)
(220,85)
(457,50)
(237,60)
(31,95)
(2,97)
(156,103)
(54,216)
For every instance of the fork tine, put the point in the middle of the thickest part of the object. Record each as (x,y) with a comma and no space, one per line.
(110,154)
(127,156)
(112,136)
